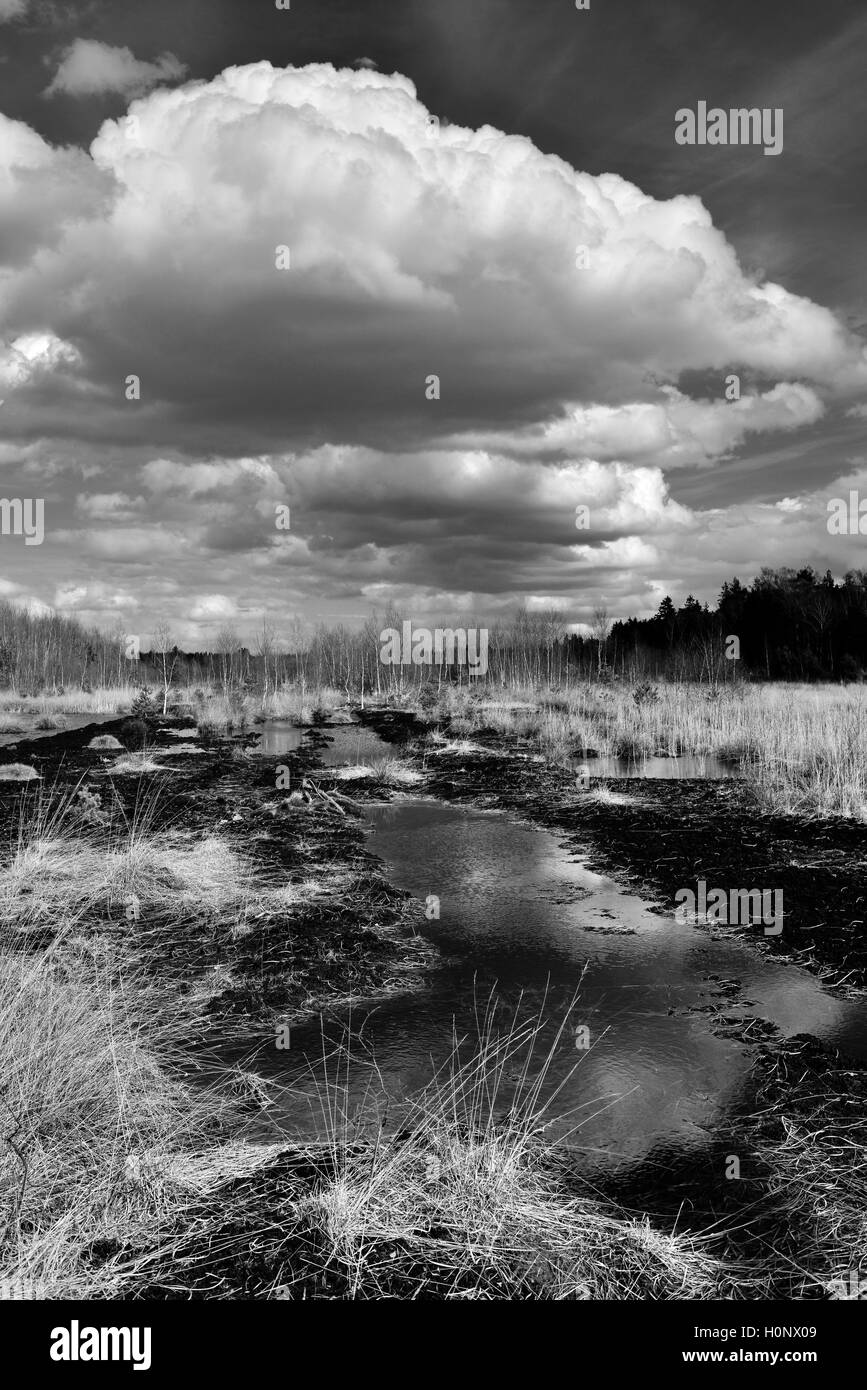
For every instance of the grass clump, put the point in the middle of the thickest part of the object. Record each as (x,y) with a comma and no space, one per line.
(464,1196)
(86,1086)
(18,772)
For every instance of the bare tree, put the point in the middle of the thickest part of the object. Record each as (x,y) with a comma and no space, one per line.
(163,647)
(266,644)
(601,630)
(227,644)
(554,632)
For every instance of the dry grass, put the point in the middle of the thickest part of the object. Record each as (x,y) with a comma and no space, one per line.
(605,796)
(102,700)
(106,742)
(469,1202)
(75,859)
(303,704)
(439,746)
(86,1084)
(65,876)
(134,764)
(391,773)
(18,772)
(803,747)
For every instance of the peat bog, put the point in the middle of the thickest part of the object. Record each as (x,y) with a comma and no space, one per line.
(274,906)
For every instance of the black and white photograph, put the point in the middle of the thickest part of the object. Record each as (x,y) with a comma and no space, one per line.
(433,666)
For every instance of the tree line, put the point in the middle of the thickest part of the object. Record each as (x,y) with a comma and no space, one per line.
(787,624)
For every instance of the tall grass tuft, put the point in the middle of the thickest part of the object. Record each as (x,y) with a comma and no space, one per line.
(467,1198)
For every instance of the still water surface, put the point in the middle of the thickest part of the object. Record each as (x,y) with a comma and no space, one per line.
(522,915)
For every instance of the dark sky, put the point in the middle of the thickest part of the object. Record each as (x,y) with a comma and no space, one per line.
(598,89)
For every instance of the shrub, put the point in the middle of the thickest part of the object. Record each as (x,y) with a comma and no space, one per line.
(135,732)
(89,809)
(144,707)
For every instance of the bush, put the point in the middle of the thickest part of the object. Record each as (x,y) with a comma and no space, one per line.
(134,732)
(89,809)
(144,707)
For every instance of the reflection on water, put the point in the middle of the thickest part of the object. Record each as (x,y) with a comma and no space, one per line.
(519,914)
(705,767)
(344,743)
(279,737)
(70,723)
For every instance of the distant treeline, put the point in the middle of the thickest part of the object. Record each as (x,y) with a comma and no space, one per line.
(787,624)
(49,652)
(790,625)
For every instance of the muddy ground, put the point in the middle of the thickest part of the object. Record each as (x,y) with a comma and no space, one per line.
(352,935)
(356,937)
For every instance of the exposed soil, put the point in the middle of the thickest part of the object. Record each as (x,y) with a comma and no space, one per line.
(356,938)
(351,935)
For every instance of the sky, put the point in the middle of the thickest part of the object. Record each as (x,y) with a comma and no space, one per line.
(430,276)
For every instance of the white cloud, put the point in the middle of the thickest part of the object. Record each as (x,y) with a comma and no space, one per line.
(91,68)
(414,250)
(108,506)
(212,608)
(12,9)
(164,476)
(32,355)
(673,431)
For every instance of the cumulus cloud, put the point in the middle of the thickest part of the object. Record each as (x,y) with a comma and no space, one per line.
(366,533)
(91,68)
(211,608)
(673,431)
(163,475)
(42,189)
(32,355)
(12,9)
(93,596)
(414,250)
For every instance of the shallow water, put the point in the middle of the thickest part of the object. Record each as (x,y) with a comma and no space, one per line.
(279,736)
(70,723)
(704,767)
(521,914)
(347,743)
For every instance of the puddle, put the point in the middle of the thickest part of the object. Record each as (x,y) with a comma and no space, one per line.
(518,912)
(278,737)
(70,723)
(706,768)
(347,743)
(353,743)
